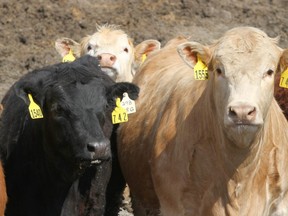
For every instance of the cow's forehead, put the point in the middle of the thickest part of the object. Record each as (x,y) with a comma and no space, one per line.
(89,95)
(247,49)
(245,61)
(112,38)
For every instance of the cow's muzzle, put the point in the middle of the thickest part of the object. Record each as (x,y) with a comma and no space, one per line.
(99,151)
(110,71)
(242,114)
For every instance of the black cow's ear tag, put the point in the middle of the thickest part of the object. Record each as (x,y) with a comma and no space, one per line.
(119,114)
(200,70)
(128,104)
(34,109)
(69,57)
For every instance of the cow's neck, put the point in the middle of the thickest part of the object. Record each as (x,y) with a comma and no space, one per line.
(246,160)
(236,161)
(254,168)
(242,160)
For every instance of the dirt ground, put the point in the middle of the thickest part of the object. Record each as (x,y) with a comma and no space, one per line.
(29,28)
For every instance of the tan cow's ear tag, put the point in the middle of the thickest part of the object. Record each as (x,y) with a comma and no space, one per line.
(34,109)
(144,56)
(69,57)
(128,104)
(284,79)
(200,70)
(119,114)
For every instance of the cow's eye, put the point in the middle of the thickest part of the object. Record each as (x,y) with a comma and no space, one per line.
(126,49)
(270,72)
(218,71)
(89,47)
(58,110)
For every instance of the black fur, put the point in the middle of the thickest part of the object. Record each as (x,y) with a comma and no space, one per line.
(47,161)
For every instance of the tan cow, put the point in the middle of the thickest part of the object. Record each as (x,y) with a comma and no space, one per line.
(209,147)
(113,48)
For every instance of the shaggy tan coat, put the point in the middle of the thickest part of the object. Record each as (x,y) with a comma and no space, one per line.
(186,152)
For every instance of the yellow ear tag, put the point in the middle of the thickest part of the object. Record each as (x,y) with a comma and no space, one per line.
(119,114)
(34,109)
(144,56)
(128,104)
(69,57)
(200,70)
(284,79)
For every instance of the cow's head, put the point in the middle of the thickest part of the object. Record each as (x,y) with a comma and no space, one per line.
(77,100)
(113,48)
(241,67)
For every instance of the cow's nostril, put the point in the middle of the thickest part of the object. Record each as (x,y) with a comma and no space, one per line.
(91,147)
(232,112)
(252,112)
(99,57)
(112,58)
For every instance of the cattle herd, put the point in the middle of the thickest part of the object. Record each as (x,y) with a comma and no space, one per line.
(209,135)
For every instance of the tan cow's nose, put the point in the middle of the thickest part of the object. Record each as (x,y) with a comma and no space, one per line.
(106,59)
(242,113)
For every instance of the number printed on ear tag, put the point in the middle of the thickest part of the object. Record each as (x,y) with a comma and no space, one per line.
(200,70)
(128,104)
(34,109)
(119,114)
(284,79)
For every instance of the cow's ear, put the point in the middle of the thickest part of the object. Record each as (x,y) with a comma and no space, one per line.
(142,50)
(32,83)
(189,51)
(117,90)
(283,63)
(64,45)
(145,48)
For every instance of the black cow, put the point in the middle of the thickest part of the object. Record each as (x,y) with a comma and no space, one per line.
(61,164)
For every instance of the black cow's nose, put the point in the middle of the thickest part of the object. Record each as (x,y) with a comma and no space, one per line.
(100,149)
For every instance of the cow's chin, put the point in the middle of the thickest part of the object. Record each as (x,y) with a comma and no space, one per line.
(111,72)
(242,135)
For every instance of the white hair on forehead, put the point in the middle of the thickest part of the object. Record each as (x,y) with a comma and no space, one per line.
(245,39)
(108,27)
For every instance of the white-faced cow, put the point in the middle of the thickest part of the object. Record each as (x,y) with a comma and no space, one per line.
(64,157)
(113,48)
(209,147)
